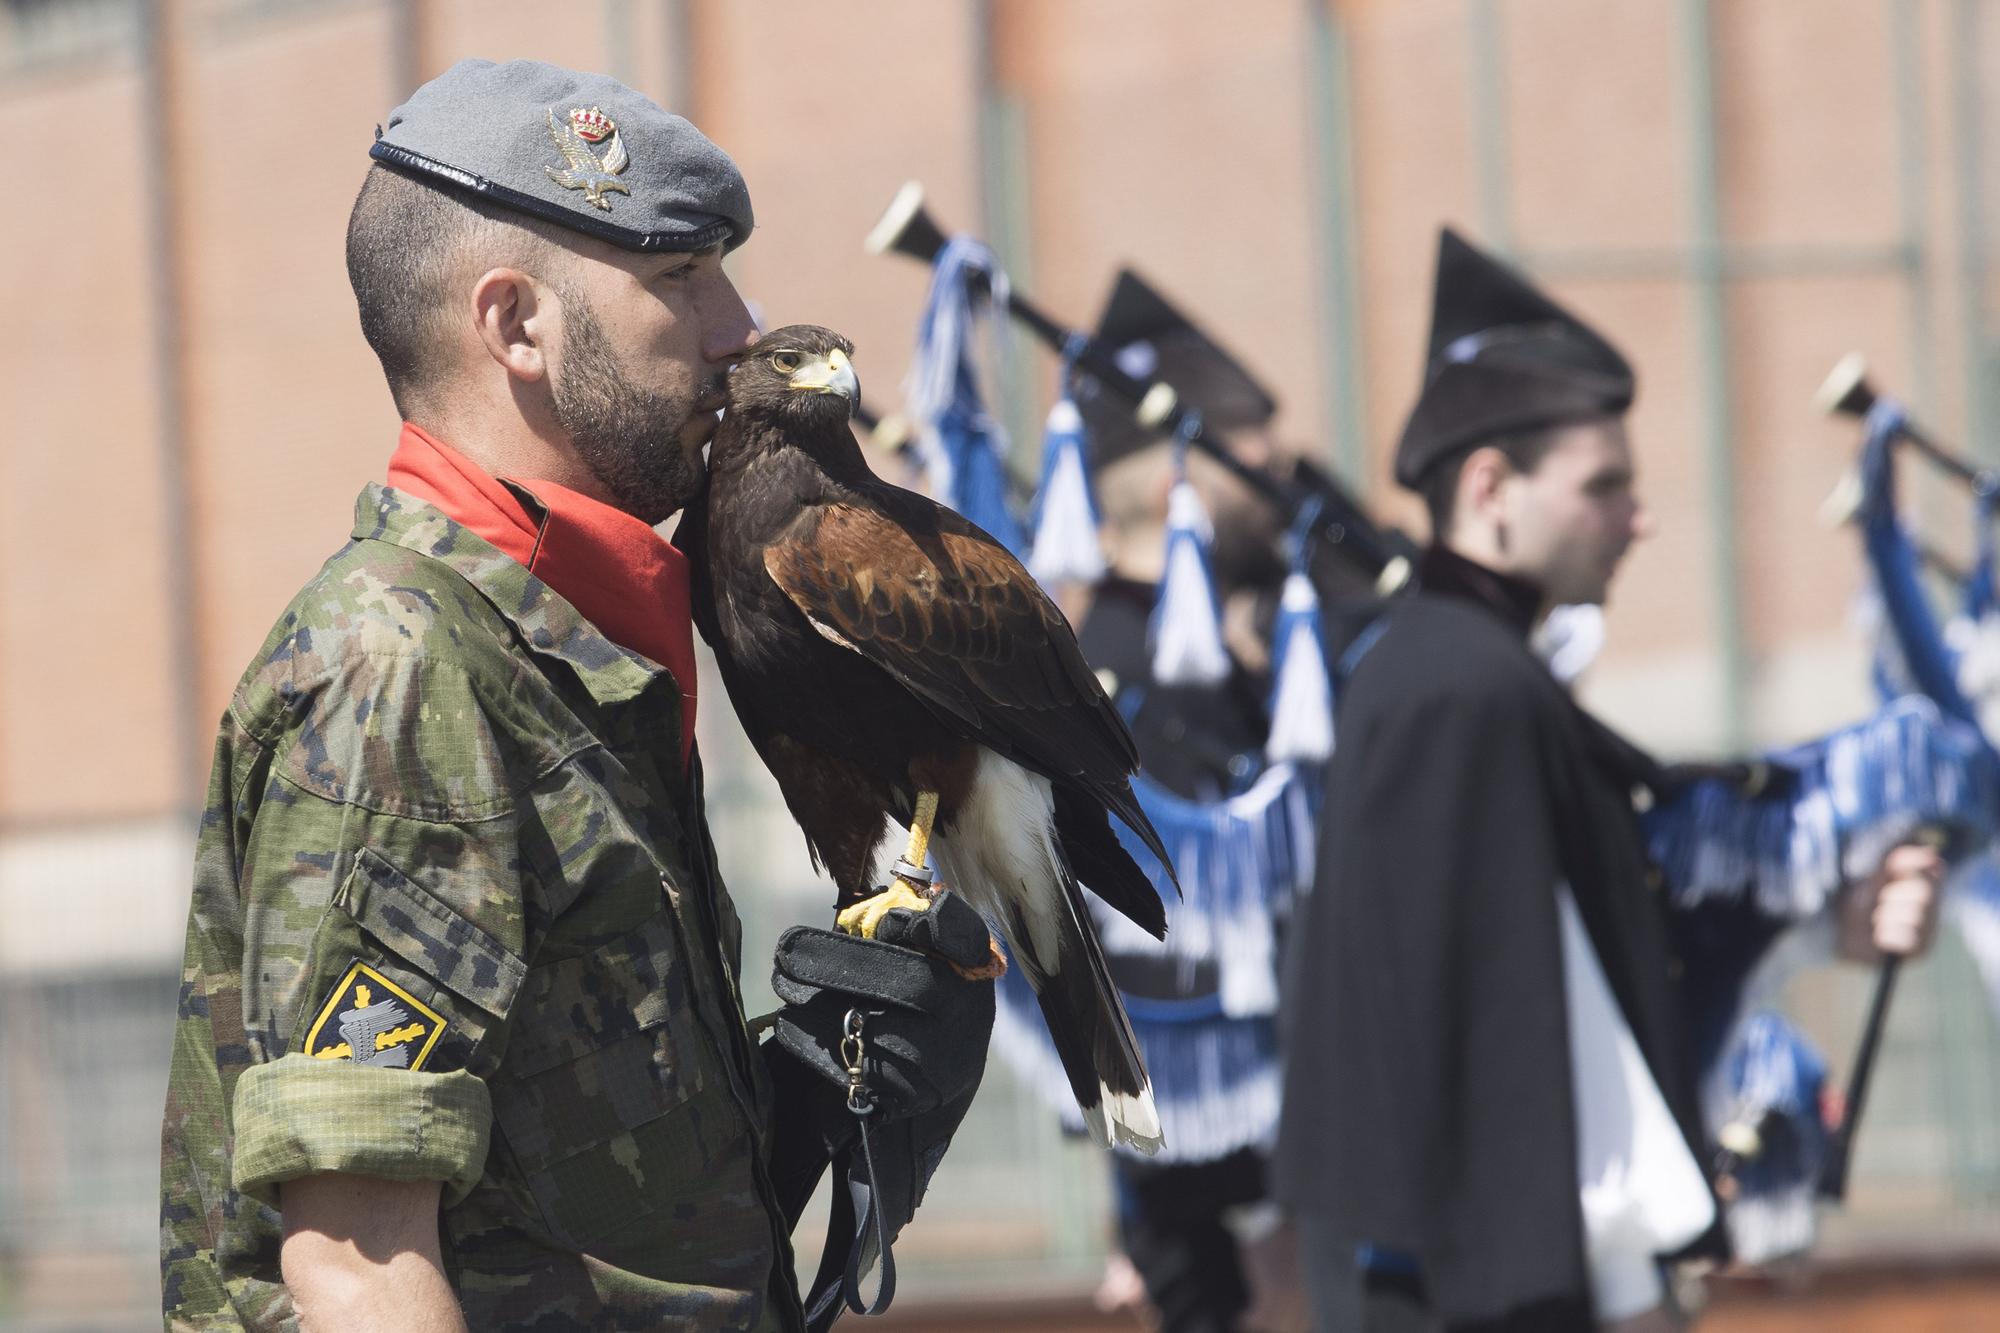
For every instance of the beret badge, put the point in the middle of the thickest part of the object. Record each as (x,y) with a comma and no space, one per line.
(596,176)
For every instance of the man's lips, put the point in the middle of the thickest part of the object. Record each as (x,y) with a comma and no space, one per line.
(706,417)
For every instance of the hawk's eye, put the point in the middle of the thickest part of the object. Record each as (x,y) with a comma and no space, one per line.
(787,361)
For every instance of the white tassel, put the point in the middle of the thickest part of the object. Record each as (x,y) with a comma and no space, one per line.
(1066,549)
(1302,698)
(1187,623)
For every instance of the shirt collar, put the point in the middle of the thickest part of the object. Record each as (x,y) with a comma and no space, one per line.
(613,569)
(549,625)
(1516,601)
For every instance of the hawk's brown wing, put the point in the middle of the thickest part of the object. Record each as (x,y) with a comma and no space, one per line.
(944,609)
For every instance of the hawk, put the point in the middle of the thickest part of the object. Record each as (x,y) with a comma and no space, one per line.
(889,660)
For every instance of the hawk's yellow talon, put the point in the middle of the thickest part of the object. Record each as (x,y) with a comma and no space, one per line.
(920,828)
(862,918)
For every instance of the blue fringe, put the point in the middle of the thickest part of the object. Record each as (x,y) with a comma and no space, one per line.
(1212,1055)
(1850,797)
(1216,1082)
(1242,861)
(1774,1078)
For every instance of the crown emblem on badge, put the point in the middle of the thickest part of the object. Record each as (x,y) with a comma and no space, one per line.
(592,126)
(585,170)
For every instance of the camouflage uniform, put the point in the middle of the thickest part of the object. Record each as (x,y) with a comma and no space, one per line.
(442,814)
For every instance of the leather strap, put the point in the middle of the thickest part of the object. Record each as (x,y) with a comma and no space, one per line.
(837,1284)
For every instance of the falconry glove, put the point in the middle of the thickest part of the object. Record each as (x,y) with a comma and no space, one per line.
(880,1047)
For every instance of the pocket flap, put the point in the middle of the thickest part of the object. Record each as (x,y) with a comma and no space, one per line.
(573,1006)
(448,948)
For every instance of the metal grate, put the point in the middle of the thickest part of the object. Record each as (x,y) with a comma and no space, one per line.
(83,1074)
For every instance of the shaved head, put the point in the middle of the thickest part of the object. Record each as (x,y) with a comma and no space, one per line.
(413,253)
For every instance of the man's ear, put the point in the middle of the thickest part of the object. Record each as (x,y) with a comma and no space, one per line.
(512,320)
(1484,471)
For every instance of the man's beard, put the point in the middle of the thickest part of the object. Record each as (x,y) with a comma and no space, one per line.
(628,436)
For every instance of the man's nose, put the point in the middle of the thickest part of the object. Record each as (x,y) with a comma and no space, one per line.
(1642,522)
(726,327)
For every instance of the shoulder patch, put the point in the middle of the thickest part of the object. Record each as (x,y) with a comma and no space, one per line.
(371,1020)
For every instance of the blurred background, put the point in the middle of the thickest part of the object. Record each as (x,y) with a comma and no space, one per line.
(1736,193)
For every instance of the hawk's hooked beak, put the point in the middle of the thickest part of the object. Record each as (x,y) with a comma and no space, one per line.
(832,373)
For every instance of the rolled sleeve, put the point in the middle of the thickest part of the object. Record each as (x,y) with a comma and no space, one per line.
(299,1116)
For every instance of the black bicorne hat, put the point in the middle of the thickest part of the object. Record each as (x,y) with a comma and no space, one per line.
(1152,340)
(1503,359)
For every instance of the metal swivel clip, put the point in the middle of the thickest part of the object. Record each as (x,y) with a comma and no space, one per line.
(859,1099)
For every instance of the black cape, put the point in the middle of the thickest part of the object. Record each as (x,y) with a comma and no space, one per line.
(1427,1103)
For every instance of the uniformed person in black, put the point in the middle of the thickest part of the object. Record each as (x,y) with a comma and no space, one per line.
(1200,742)
(1490,1117)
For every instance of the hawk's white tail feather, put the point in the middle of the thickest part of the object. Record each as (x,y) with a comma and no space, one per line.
(1001,852)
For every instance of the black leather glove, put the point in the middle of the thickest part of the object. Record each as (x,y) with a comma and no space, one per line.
(879,1049)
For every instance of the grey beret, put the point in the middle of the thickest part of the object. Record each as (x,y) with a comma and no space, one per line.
(580,150)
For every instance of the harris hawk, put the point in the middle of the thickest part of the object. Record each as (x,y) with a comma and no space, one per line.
(891,661)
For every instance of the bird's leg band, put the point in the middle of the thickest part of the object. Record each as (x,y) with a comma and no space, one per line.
(910,885)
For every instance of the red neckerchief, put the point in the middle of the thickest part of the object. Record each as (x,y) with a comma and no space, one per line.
(625,578)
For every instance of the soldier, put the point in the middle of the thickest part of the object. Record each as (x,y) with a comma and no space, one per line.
(460,1039)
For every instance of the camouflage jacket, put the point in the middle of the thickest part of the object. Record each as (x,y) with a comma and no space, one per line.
(456,917)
